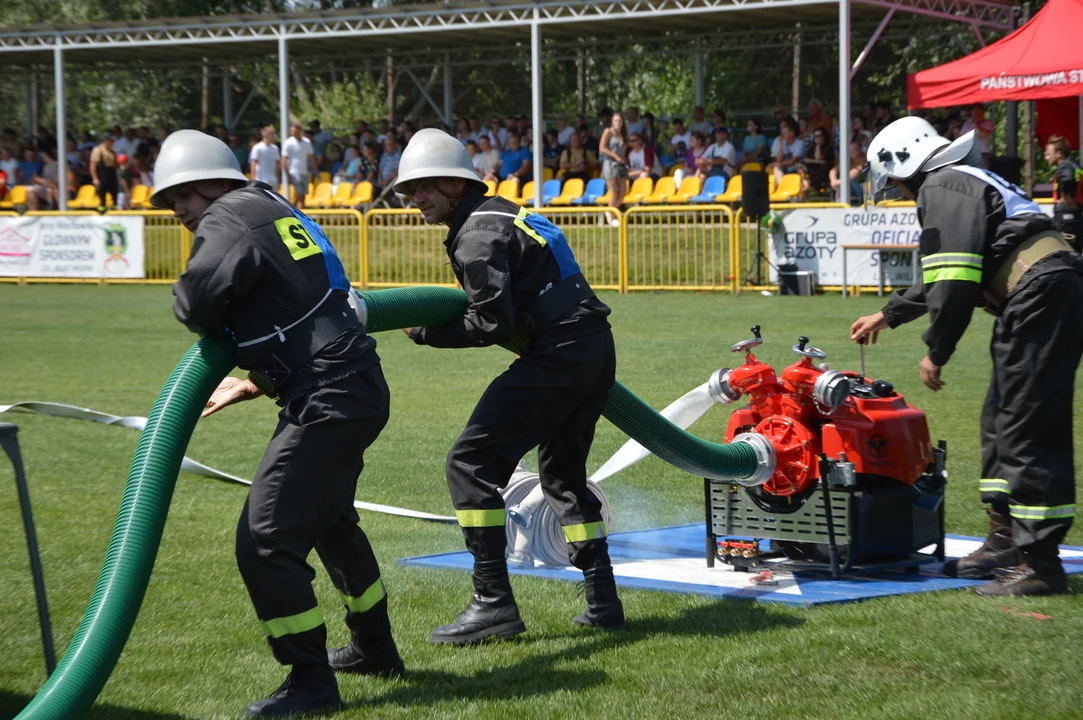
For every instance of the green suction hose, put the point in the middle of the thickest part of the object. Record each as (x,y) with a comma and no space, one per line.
(105,627)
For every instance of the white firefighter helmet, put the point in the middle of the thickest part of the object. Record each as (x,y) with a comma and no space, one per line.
(911,145)
(433,153)
(188,156)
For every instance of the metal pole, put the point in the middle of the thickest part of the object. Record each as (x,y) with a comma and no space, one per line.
(448,98)
(283,98)
(10,441)
(699,73)
(580,85)
(796,92)
(29,119)
(844,102)
(864,54)
(61,129)
(536,117)
(227,101)
(205,95)
(1011,111)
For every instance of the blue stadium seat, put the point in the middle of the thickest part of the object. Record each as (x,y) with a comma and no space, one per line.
(716,185)
(595,189)
(550,190)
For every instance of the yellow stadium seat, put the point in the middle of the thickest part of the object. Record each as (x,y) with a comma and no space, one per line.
(527,197)
(751,167)
(690,187)
(85,199)
(641,188)
(662,191)
(324,177)
(734,190)
(790,189)
(341,196)
(604,199)
(320,196)
(491,185)
(547,174)
(17,196)
(571,190)
(140,197)
(362,194)
(508,189)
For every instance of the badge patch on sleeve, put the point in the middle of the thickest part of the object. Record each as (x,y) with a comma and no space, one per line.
(297,239)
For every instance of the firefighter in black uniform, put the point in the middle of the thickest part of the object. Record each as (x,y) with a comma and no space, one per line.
(1067,190)
(526,292)
(983,241)
(265,274)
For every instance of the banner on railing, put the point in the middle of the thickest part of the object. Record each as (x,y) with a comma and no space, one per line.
(72,246)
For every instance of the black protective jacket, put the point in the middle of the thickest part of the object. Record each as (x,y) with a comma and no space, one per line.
(970,220)
(1066,181)
(505,258)
(257,267)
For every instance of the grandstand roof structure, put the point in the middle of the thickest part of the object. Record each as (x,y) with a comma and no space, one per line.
(449,26)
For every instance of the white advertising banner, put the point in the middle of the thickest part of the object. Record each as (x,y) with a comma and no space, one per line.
(813,238)
(72,246)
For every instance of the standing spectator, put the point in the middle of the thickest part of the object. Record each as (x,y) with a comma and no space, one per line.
(265,159)
(9,165)
(498,133)
(487,160)
(321,139)
(650,133)
(43,185)
(144,142)
(576,161)
(720,158)
(389,162)
(605,118)
(124,143)
(817,118)
(857,168)
(299,163)
(641,162)
(788,152)
(30,166)
(699,122)
(551,151)
(984,132)
(516,162)
(754,146)
(862,133)
(1067,193)
(614,147)
(240,151)
(564,131)
(633,121)
(680,134)
(369,166)
(819,159)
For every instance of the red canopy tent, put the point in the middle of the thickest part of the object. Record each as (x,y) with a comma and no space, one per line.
(1042,60)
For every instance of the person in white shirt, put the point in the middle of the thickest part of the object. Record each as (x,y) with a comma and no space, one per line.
(699,122)
(298,162)
(719,158)
(680,134)
(641,162)
(632,121)
(487,159)
(124,144)
(985,128)
(264,158)
(788,151)
(564,131)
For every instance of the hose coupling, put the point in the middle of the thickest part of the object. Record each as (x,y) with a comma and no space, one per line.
(358,304)
(719,388)
(765,459)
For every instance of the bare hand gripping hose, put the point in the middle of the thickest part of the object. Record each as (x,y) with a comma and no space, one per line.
(96,647)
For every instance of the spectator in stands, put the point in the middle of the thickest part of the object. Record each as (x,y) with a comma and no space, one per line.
(633,122)
(884,116)
(264,158)
(86,142)
(141,175)
(699,122)
(862,133)
(487,160)
(73,156)
(720,158)
(605,117)
(124,182)
(299,162)
(9,140)
(124,143)
(335,158)
(516,162)
(857,165)
(783,115)
(43,185)
(650,133)
(321,141)
(476,130)
(576,161)
(30,166)
(614,149)
(641,160)
(144,142)
(463,133)
(984,132)
(349,170)
(385,129)
(718,118)
(691,158)
(680,134)
(564,131)
(803,133)
(664,144)
(239,148)
(522,124)
(389,162)
(817,118)
(9,166)
(498,133)
(819,159)
(551,150)
(788,152)
(754,145)
(369,166)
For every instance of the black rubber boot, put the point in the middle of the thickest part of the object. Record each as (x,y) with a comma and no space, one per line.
(1040,573)
(998,551)
(492,612)
(368,656)
(604,608)
(309,689)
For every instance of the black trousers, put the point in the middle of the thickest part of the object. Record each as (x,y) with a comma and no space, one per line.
(1070,222)
(107,184)
(550,398)
(1026,424)
(302,498)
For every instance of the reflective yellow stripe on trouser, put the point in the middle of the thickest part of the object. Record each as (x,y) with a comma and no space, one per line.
(585,531)
(293,624)
(481,518)
(1038,512)
(374,594)
(993,485)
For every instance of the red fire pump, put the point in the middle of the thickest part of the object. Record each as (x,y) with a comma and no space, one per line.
(842,442)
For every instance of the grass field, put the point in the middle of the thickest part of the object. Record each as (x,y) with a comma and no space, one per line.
(196,651)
